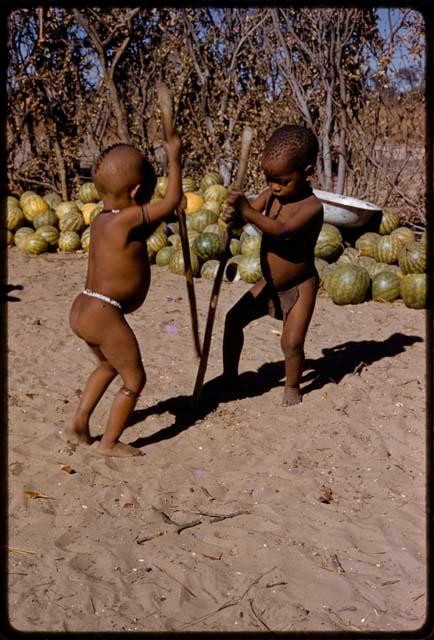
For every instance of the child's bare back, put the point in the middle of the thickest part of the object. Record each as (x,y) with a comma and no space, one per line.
(117,283)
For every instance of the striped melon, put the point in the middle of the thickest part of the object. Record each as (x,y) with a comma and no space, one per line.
(194,202)
(220,231)
(216,192)
(49,233)
(388,249)
(367,243)
(12,201)
(202,219)
(348,255)
(207,246)
(209,179)
(9,238)
(71,222)
(175,240)
(65,208)
(156,241)
(209,269)
(413,258)
(176,264)
(250,245)
(250,268)
(235,246)
(385,287)
(96,211)
(212,205)
(46,218)
(320,265)
(25,195)
(85,239)
(414,290)
(52,199)
(326,273)
(14,217)
(69,241)
(404,235)
(161,186)
(348,284)
(34,244)
(33,205)
(163,256)
(189,185)
(329,242)
(232,269)
(389,221)
(88,193)
(20,235)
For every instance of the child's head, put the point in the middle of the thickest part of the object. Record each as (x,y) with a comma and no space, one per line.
(119,170)
(289,159)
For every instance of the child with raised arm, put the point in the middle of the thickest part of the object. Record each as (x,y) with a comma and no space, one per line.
(290,218)
(118,278)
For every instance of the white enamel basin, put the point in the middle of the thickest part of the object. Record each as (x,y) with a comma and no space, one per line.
(344,211)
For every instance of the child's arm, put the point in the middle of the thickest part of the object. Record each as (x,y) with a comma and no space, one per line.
(258,204)
(274,227)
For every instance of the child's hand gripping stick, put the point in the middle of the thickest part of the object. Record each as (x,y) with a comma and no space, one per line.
(246,140)
(166,108)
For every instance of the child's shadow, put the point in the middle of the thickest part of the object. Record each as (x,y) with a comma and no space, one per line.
(5,290)
(332,366)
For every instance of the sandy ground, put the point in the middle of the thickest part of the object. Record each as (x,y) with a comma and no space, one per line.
(324,502)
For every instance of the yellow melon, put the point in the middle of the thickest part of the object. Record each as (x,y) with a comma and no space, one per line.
(194,202)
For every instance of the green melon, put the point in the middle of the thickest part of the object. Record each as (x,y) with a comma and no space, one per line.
(65,208)
(88,193)
(209,269)
(156,241)
(385,286)
(414,290)
(348,284)
(52,199)
(235,246)
(209,179)
(9,238)
(202,219)
(404,235)
(250,268)
(207,246)
(46,218)
(34,244)
(329,243)
(215,192)
(12,201)
(220,231)
(25,195)
(69,241)
(212,205)
(175,240)
(348,256)
(388,249)
(71,222)
(176,264)
(20,235)
(367,244)
(189,184)
(49,233)
(413,258)
(389,221)
(251,245)
(15,217)
(85,239)
(33,205)
(320,265)
(326,273)
(163,256)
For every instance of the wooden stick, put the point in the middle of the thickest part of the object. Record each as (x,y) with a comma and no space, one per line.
(166,107)
(246,140)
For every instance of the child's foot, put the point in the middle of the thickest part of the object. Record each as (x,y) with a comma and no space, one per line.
(78,434)
(118,450)
(291,395)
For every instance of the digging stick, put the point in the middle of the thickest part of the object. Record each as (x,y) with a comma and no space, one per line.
(246,140)
(166,107)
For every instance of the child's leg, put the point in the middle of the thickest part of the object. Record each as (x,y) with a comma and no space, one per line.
(97,383)
(250,307)
(122,352)
(293,337)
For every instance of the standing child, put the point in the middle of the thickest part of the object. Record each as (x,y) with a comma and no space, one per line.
(291,223)
(118,278)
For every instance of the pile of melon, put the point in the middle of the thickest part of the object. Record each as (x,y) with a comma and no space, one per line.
(385,265)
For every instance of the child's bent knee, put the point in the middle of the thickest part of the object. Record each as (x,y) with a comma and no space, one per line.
(134,383)
(291,349)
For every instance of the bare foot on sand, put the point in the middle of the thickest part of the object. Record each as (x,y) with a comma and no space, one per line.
(118,450)
(291,396)
(78,434)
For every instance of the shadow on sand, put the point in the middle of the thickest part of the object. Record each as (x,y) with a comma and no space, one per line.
(332,366)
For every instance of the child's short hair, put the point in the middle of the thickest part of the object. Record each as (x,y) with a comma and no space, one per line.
(144,166)
(295,143)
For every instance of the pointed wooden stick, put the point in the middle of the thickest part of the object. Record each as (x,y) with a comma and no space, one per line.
(166,107)
(246,141)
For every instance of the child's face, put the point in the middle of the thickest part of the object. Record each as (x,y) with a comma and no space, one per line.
(284,180)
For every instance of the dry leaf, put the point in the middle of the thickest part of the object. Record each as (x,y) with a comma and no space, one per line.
(68,468)
(35,494)
(326,496)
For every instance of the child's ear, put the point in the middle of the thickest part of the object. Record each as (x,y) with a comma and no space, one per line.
(309,170)
(134,191)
